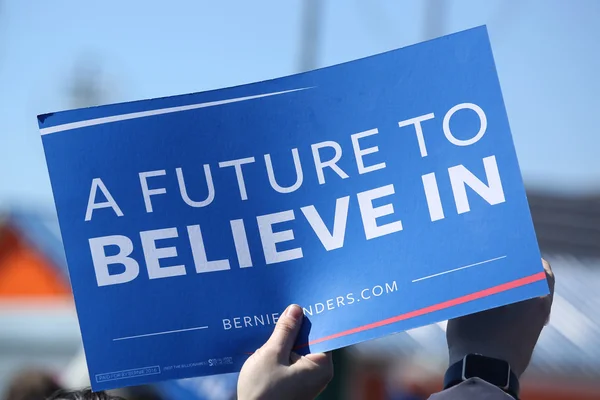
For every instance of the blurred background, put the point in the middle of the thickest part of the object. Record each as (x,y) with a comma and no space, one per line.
(59,54)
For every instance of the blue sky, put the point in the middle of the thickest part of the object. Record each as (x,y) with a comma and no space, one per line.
(546,53)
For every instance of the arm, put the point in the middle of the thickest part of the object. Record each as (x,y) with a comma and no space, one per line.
(473,388)
(507,333)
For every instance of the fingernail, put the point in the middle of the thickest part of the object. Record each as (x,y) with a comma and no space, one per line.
(294,311)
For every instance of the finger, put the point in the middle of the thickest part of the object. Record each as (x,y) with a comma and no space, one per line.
(549,276)
(315,358)
(551,283)
(294,358)
(320,358)
(318,367)
(286,330)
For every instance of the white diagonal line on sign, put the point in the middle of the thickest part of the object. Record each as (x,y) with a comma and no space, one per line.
(161,333)
(459,268)
(149,113)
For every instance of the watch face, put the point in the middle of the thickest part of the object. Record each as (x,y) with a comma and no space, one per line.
(492,370)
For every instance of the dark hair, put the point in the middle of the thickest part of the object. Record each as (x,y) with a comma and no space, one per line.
(85,394)
(31,385)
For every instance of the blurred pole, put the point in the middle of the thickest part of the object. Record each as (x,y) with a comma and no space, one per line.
(85,88)
(434,22)
(435,17)
(310,34)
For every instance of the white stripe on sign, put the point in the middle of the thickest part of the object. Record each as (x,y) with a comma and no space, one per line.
(149,113)
(161,333)
(458,269)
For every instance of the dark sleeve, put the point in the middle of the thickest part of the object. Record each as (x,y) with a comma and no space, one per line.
(473,388)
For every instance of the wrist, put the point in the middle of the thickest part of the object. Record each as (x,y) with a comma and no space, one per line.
(492,370)
(516,358)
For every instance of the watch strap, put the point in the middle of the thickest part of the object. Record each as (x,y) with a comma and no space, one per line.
(456,375)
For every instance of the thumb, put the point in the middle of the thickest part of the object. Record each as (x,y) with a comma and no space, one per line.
(549,276)
(283,337)
(547,300)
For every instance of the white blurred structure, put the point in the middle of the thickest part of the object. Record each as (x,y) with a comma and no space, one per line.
(37,335)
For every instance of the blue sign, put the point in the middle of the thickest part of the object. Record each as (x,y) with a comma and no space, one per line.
(380,194)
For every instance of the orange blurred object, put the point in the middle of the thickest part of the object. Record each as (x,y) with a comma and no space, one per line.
(25,273)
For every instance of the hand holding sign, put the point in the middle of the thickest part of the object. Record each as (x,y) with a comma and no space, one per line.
(508,333)
(274,372)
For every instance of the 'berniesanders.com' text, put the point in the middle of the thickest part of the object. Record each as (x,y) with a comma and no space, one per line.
(326,305)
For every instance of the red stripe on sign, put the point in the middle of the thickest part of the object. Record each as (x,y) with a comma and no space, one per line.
(436,307)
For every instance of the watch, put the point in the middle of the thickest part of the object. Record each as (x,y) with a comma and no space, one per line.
(492,370)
